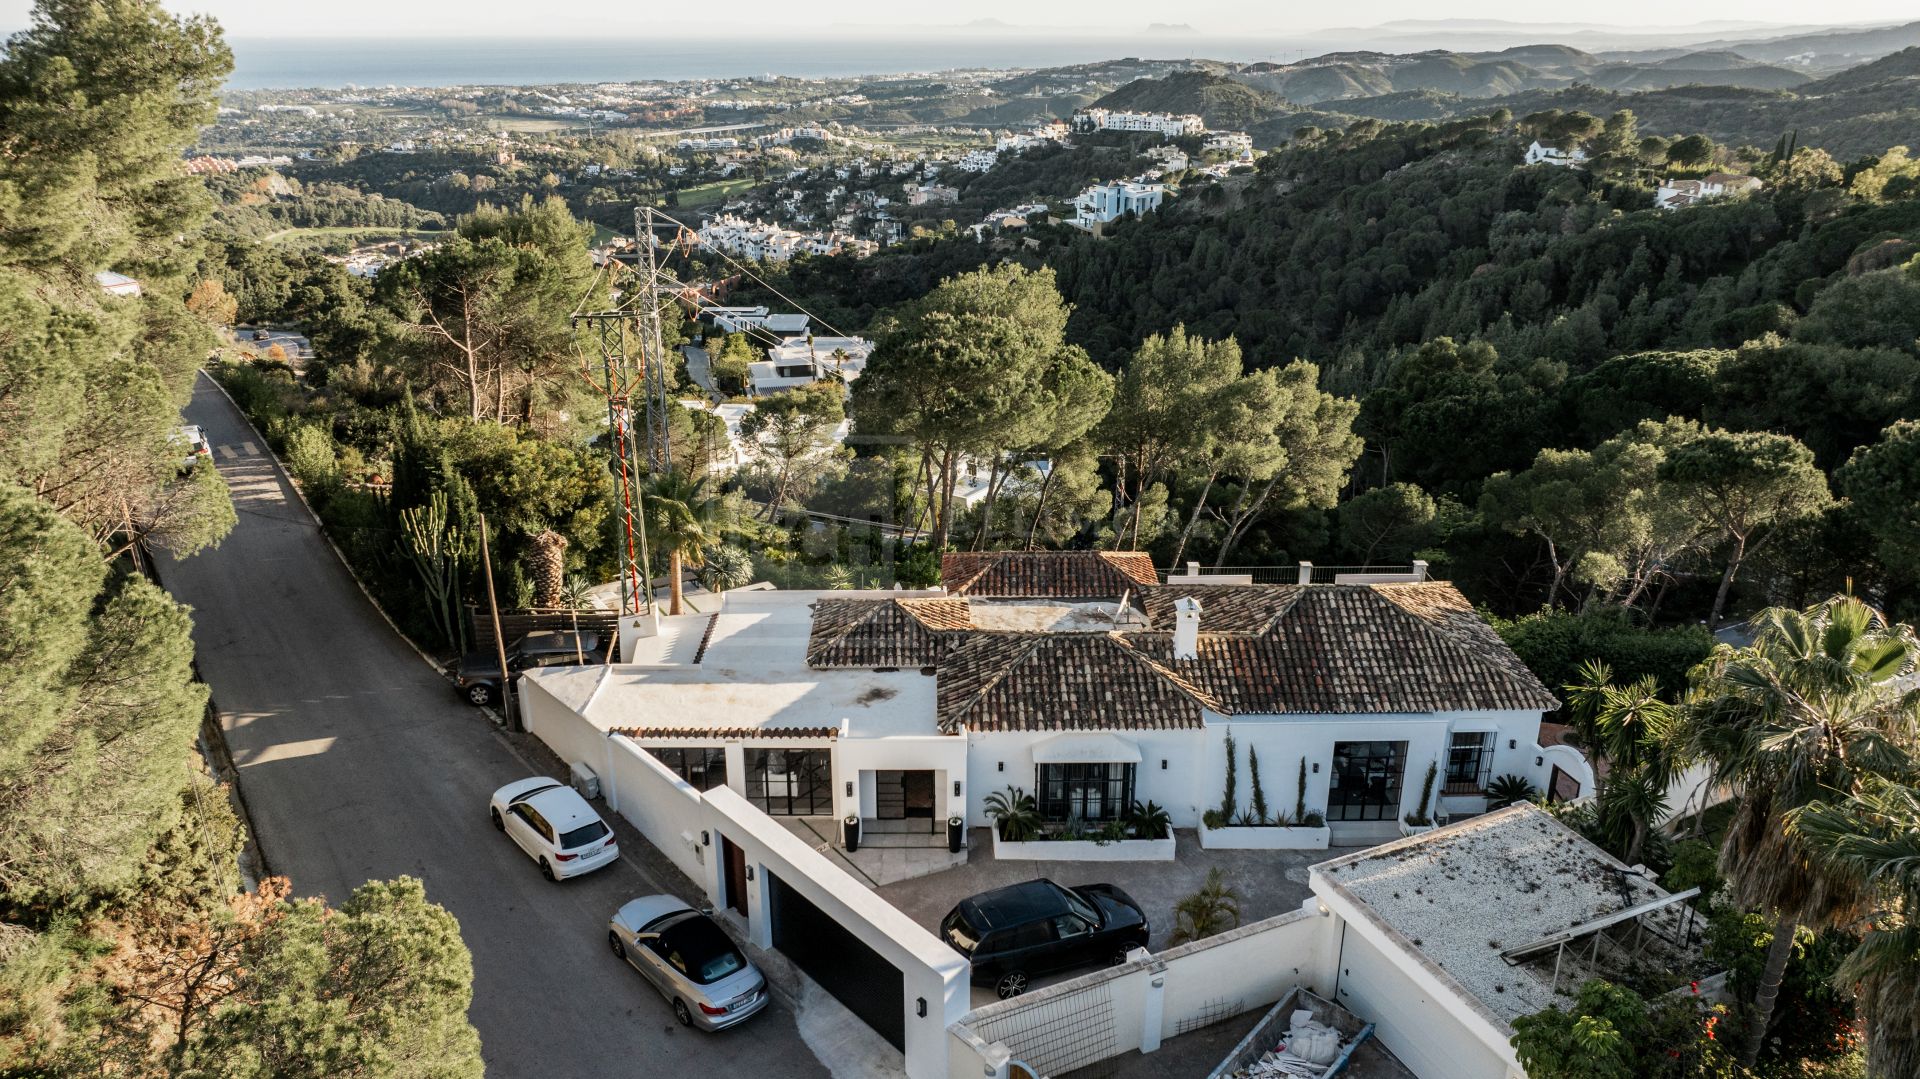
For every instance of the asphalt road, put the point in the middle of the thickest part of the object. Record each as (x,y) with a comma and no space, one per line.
(358,763)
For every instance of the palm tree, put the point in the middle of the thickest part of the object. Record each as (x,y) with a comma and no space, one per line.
(1803,714)
(682,520)
(1637,732)
(1876,837)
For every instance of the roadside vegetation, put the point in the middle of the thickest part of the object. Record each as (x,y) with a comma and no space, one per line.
(130,944)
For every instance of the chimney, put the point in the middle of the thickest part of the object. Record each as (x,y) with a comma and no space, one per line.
(1186,628)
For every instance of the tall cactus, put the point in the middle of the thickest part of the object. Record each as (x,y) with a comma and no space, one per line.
(438,551)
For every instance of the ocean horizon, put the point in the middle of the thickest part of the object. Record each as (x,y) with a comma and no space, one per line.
(290,63)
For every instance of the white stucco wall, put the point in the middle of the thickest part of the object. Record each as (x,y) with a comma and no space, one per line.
(1422,1016)
(929,969)
(1152,998)
(1185,770)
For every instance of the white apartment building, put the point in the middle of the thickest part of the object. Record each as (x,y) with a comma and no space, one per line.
(803,360)
(1102,204)
(1165,123)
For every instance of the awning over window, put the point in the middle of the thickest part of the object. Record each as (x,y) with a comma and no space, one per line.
(1086,749)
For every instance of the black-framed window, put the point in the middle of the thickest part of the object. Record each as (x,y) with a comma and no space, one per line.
(1469,762)
(703,767)
(1366,780)
(791,782)
(1090,792)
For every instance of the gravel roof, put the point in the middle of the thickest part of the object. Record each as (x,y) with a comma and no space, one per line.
(1458,896)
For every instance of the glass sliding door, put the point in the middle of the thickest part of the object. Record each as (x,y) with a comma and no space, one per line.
(1089,792)
(704,767)
(791,782)
(1366,781)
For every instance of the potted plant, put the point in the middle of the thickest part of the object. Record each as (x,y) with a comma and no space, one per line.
(850,832)
(956,834)
(1421,820)
(1013,815)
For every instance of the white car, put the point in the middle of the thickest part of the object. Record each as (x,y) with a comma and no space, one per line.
(192,441)
(555,826)
(685,955)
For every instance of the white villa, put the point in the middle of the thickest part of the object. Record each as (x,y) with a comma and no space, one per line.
(1674,194)
(1102,204)
(802,361)
(756,319)
(755,745)
(1165,123)
(1080,679)
(1231,142)
(1565,155)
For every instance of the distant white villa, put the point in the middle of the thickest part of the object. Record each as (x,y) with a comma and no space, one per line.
(1102,204)
(1555,153)
(802,361)
(1674,194)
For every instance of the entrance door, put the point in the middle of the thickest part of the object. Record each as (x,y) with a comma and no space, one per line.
(736,860)
(1366,781)
(916,789)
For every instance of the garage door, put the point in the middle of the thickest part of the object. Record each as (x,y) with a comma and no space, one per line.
(842,963)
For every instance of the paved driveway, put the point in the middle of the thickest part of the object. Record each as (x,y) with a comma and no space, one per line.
(358,763)
(1269,883)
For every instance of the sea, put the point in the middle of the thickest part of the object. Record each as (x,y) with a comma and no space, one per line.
(285,63)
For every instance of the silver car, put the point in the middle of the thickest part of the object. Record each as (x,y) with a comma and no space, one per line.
(690,960)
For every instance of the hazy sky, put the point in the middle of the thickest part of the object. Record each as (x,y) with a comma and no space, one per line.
(342,18)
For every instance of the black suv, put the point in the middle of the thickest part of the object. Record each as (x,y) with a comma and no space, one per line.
(1011,934)
(478,678)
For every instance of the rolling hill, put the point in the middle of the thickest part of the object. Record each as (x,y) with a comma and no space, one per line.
(1220,101)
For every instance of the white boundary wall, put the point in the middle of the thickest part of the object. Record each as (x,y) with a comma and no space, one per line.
(688,826)
(1152,998)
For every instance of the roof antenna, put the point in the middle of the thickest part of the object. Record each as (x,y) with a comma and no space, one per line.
(1120,611)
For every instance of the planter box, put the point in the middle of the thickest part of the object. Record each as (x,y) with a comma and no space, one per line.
(1082,850)
(1416,829)
(1264,838)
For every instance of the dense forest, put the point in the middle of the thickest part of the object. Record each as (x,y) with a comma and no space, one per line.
(1486,313)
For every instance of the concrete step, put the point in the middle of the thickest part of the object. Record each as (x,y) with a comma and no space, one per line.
(899,840)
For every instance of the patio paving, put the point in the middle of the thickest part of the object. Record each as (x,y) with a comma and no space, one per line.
(893,858)
(1269,883)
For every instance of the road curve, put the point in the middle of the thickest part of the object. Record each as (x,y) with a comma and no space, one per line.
(358,763)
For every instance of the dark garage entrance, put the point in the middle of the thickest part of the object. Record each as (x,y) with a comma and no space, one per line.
(842,963)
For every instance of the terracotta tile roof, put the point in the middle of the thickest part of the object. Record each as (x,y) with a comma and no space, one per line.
(1047,574)
(1060,682)
(1345,649)
(1224,608)
(885,632)
(1264,649)
(710,733)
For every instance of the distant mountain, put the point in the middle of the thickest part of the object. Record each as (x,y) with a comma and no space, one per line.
(1221,102)
(1542,56)
(1337,76)
(1698,69)
(1902,66)
(1827,50)
(1169,28)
